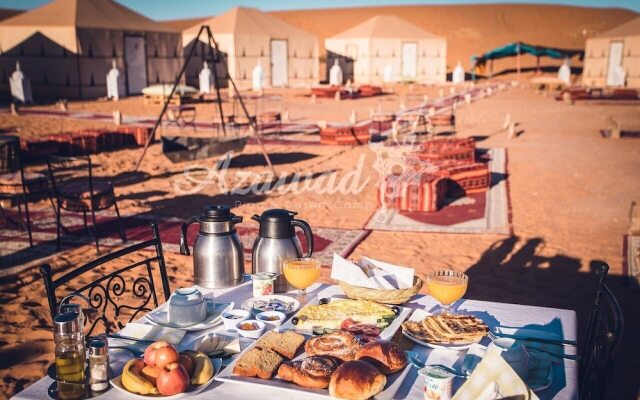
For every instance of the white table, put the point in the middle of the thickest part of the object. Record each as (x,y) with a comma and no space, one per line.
(561,322)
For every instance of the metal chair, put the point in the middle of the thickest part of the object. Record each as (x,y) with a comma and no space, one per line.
(80,193)
(17,186)
(603,339)
(128,284)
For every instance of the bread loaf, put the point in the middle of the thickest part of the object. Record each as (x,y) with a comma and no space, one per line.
(385,355)
(311,372)
(356,380)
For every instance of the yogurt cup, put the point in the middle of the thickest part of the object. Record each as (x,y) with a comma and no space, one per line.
(263,283)
(438,383)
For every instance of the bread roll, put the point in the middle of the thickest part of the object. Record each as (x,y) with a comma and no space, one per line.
(311,372)
(385,355)
(339,344)
(356,380)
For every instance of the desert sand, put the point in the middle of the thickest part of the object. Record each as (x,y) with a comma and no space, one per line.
(570,191)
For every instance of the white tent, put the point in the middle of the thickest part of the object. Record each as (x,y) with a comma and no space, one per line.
(613,58)
(246,35)
(66,47)
(383,42)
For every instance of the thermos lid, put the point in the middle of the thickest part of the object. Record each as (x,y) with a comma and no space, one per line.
(66,323)
(276,223)
(98,347)
(218,213)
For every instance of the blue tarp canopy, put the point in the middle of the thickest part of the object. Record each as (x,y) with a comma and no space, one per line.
(513,49)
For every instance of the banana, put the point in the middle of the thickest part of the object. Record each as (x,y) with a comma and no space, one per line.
(204,368)
(134,382)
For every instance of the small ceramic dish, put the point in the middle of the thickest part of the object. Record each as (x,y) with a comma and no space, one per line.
(250,328)
(231,317)
(273,318)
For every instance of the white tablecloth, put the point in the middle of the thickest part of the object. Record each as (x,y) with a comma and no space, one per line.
(557,321)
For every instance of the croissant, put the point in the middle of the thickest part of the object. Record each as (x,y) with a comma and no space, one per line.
(311,372)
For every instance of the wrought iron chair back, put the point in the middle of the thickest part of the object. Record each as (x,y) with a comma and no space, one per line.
(62,169)
(103,293)
(603,339)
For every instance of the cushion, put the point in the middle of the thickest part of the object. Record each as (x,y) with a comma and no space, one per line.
(463,178)
(413,192)
(12,183)
(345,135)
(439,150)
(76,196)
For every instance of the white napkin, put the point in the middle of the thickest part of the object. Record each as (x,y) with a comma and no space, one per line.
(152,332)
(378,275)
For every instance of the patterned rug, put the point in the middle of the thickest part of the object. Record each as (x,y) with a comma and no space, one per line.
(14,245)
(488,212)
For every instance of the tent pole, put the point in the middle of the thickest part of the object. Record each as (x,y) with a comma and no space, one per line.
(252,122)
(537,64)
(167,100)
(215,77)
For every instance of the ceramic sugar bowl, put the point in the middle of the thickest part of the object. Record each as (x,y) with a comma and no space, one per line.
(187,306)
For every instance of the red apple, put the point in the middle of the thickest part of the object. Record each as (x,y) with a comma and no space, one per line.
(151,373)
(159,354)
(187,363)
(173,379)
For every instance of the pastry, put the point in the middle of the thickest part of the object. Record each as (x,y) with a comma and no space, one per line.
(331,315)
(447,328)
(338,344)
(385,355)
(356,380)
(286,344)
(311,372)
(262,363)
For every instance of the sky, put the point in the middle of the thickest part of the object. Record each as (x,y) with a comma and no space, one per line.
(171,9)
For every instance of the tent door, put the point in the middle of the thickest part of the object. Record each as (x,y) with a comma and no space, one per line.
(135,64)
(409,60)
(615,60)
(279,71)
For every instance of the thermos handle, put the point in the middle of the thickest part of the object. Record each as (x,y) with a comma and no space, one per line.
(184,247)
(307,233)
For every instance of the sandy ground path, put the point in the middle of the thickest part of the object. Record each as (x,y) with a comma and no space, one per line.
(570,191)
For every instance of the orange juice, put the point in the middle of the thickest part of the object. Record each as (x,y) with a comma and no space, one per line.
(447,289)
(301,273)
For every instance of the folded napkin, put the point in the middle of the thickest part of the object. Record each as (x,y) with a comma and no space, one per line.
(493,378)
(152,332)
(371,274)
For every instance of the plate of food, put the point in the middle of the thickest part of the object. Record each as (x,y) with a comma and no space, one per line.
(361,317)
(334,364)
(160,316)
(165,373)
(274,302)
(444,331)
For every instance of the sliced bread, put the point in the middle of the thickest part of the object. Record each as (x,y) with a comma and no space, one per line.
(262,363)
(284,343)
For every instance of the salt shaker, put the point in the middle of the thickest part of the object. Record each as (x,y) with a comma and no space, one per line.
(98,365)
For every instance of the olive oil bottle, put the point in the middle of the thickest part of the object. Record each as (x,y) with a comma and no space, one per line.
(70,356)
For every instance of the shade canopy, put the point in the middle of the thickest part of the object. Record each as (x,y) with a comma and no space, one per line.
(513,49)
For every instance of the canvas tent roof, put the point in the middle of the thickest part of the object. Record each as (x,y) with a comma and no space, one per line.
(248,21)
(385,26)
(69,15)
(513,49)
(630,28)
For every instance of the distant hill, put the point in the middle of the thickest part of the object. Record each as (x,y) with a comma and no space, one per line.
(8,13)
(471,28)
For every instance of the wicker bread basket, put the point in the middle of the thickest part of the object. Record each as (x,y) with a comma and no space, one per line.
(384,296)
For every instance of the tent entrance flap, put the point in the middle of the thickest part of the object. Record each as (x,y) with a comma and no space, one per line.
(135,62)
(279,73)
(614,63)
(409,60)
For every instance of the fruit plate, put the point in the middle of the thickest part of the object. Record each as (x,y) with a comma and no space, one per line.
(290,390)
(192,390)
(256,305)
(387,333)
(419,315)
(160,316)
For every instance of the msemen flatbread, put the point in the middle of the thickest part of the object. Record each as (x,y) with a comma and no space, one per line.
(447,328)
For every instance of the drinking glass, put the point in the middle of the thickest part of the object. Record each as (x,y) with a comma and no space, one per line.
(447,287)
(301,273)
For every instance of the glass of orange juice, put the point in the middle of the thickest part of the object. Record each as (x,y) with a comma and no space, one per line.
(301,273)
(447,286)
